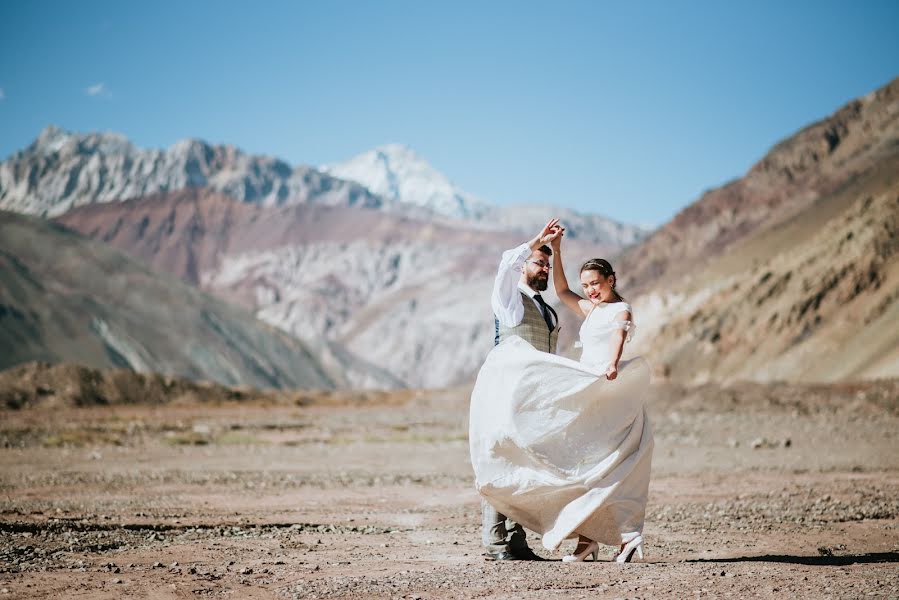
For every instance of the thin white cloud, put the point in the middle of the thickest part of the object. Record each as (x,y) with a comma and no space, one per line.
(98,89)
(2,94)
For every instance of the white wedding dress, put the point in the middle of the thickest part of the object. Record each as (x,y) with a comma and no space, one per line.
(557,447)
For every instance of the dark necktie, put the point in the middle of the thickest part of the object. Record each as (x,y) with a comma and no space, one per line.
(545,310)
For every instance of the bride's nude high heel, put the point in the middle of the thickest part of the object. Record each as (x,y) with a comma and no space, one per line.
(592,548)
(627,553)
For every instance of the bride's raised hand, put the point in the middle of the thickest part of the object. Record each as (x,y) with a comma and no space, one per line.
(549,232)
(556,242)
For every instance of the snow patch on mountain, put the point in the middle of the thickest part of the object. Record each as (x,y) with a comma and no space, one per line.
(398,173)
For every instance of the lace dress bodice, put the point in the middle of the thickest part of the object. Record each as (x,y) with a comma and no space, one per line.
(596,333)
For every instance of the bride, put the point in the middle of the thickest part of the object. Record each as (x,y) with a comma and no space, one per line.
(564,447)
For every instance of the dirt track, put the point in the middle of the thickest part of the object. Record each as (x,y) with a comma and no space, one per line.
(757,491)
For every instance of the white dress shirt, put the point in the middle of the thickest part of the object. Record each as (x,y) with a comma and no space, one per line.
(506,301)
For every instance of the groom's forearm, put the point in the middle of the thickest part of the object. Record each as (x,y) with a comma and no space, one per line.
(505,299)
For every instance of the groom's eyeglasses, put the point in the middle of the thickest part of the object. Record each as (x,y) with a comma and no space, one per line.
(541,265)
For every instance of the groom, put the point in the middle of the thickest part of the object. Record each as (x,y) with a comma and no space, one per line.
(520,310)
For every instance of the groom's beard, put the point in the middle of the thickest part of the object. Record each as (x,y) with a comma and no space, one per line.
(538,282)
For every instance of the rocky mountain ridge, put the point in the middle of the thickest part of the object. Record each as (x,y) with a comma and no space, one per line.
(61,170)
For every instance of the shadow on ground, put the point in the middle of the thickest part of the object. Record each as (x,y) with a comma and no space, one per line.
(814,561)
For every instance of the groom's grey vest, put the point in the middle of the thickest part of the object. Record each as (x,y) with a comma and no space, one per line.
(532,328)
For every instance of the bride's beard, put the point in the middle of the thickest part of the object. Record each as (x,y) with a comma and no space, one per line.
(538,282)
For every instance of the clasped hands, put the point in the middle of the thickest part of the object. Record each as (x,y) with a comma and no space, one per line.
(551,234)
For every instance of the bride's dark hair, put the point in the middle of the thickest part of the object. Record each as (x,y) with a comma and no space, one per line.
(605,268)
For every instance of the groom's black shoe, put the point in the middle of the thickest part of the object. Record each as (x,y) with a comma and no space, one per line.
(526,554)
(502,555)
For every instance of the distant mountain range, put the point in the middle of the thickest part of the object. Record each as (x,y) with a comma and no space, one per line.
(383,268)
(334,262)
(400,176)
(61,170)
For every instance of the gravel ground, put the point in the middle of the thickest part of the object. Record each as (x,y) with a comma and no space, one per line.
(763,491)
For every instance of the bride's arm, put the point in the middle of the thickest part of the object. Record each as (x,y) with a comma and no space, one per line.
(617,343)
(570,299)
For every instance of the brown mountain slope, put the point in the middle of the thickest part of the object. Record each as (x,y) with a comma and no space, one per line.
(811,165)
(190,231)
(814,297)
(825,310)
(65,298)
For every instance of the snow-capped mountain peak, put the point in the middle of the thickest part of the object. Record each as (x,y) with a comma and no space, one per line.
(399,174)
(52,139)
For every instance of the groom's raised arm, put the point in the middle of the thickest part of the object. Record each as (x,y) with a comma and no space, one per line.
(506,300)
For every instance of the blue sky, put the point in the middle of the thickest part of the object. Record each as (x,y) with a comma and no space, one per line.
(629,109)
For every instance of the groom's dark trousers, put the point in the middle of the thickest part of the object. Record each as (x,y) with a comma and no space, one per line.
(500,534)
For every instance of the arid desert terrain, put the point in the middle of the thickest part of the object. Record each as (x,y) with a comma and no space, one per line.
(758,490)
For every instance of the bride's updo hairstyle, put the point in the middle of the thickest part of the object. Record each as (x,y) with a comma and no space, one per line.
(605,269)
